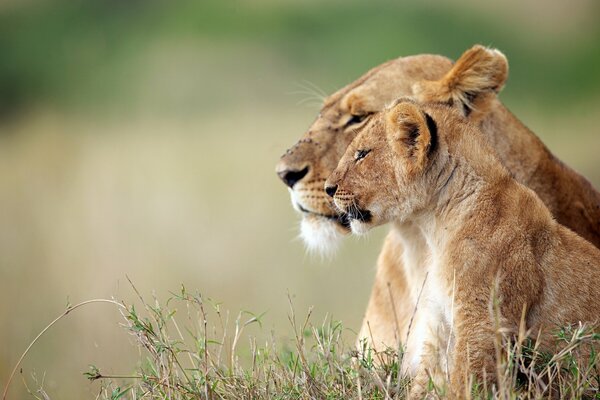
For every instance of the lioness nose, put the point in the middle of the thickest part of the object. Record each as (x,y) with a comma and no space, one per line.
(290,177)
(330,190)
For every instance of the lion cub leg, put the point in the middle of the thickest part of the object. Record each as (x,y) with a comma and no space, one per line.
(431,375)
(474,353)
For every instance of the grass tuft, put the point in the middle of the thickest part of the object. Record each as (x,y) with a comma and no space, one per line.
(189,350)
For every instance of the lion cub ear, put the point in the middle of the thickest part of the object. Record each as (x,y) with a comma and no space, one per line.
(412,133)
(478,75)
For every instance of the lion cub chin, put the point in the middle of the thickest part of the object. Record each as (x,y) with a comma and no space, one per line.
(491,240)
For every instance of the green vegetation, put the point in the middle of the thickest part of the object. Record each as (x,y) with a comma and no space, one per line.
(189,350)
(74,51)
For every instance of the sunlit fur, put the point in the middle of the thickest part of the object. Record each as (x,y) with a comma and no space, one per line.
(323,144)
(321,236)
(359,227)
(471,86)
(475,79)
(498,261)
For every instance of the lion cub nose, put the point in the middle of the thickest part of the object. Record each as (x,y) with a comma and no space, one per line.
(330,190)
(290,177)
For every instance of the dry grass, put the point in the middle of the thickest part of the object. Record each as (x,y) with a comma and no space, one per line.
(188,349)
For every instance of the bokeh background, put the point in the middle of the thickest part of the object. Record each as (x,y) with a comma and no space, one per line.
(139,138)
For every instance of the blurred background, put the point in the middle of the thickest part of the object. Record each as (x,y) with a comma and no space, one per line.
(139,138)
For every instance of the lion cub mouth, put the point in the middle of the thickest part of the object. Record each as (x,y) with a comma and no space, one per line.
(359,214)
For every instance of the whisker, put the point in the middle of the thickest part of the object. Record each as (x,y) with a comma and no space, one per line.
(311,97)
(306,92)
(314,88)
(309,102)
(334,208)
(315,96)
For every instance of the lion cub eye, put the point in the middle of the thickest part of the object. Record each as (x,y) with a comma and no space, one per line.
(360,154)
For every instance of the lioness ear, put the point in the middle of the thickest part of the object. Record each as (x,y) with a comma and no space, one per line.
(412,133)
(478,74)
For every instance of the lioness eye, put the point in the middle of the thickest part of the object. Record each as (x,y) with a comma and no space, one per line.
(360,154)
(356,119)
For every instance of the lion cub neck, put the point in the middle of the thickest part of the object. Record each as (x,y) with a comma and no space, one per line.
(492,242)
(475,193)
(472,86)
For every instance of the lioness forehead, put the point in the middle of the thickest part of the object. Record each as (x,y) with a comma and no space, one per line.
(390,80)
(335,98)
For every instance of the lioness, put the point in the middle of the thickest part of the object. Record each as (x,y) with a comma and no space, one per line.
(486,232)
(470,84)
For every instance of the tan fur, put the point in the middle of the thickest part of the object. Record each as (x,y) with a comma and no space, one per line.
(479,72)
(486,234)
(323,144)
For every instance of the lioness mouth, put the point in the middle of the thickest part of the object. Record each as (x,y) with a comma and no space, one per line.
(342,219)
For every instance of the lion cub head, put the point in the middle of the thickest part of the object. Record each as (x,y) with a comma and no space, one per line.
(395,166)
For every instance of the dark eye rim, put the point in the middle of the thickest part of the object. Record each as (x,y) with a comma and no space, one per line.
(360,154)
(357,119)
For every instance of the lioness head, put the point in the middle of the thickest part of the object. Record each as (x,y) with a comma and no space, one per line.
(470,85)
(395,165)
(306,165)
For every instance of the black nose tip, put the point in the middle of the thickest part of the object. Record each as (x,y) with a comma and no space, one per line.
(330,190)
(290,177)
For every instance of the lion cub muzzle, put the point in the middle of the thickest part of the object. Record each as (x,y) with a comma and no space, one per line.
(346,203)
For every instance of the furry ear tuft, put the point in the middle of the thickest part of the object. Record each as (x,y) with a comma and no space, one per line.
(477,72)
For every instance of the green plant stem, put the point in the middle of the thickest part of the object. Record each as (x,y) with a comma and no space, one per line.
(64,314)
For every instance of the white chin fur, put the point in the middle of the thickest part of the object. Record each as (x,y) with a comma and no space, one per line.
(320,235)
(359,227)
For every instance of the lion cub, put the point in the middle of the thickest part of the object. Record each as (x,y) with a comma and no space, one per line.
(427,165)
